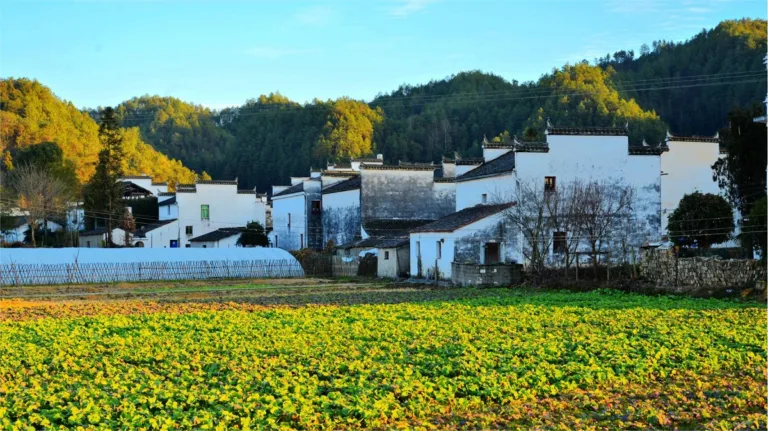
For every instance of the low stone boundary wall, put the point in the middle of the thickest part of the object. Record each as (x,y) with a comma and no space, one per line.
(664,268)
(466,274)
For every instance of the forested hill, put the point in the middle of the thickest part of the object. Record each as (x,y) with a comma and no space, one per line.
(31,114)
(687,87)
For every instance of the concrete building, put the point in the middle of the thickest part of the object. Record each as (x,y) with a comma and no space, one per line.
(97,238)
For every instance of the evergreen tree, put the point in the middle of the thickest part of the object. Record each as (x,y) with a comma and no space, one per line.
(104,193)
(701,219)
(253,236)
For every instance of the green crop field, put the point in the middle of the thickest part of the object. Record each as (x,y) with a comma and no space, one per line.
(495,359)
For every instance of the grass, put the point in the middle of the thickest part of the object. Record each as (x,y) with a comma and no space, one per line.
(383,358)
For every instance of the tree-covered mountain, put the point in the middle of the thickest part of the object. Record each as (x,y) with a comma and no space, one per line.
(31,114)
(687,87)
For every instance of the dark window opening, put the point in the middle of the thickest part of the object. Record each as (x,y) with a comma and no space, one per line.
(189,230)
(439,250)
(485,198)
(559,242)
(549,184)
(386,255)
(316,207)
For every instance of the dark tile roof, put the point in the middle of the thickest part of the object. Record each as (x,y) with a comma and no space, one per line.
(519,145)
(415,164)
(152,226)
(407,167)
(218,234)
(711,139)
(132,189)
(166,202)
(391,228)
(343,186)
(445,180)
(228,182)
(462,218)
(14,221)
(368,160)
(500,165)
(166,194)
(448,160)
(136,177)
(159,184)
(290,190)
(341,165)
(594,131)
(186,188)
(376,242)
(642,150)
(339,173)
(470,161)
(246,192)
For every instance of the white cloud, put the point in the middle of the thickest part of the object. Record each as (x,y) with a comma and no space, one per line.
(271,52)
(408,7)
(318,16)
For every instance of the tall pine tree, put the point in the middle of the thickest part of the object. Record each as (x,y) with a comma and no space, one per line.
(104,194)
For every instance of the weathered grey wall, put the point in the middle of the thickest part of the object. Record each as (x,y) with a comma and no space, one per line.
(402,194)
(341,224)
(469,246)
(314,221)
(664,269)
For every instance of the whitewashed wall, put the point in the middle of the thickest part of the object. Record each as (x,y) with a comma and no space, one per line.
(601,158)
(493,153)
(423,249)
(285,236)
(686,168)
(498,189)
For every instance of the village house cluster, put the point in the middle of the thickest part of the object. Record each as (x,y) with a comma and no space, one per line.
(419,219)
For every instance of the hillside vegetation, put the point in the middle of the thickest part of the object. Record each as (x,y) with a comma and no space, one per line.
(31,114)
(686,87)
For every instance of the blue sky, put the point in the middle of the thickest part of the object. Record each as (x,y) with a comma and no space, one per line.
(99,53)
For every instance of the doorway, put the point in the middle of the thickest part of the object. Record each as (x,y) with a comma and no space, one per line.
(491,253)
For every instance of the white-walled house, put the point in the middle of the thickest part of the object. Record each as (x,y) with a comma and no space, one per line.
(220,238)
(297,215)
(479,234)
(164,233)
(210,205)
(97,238)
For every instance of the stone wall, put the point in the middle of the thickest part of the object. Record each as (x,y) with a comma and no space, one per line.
(664,268)
(464,274)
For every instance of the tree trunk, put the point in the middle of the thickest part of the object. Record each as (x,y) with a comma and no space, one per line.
(32,234)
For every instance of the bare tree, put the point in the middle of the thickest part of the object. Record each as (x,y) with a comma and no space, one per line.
(564,208)
(604,206)
(129,225)
(39,195)
(530,214)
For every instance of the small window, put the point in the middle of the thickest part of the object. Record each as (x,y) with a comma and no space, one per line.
(301,240)
(189,230)
(188,246)
(316,207)
(439,250)
(485,198)
(289,220)
(205,212)
(386,255)
(169,209)
(277,244)
(418,248)
(549,184)
(559,242)
(205,245)
(88,244)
